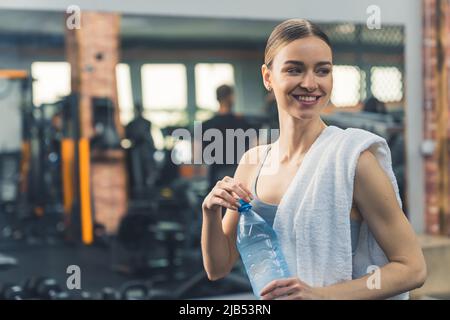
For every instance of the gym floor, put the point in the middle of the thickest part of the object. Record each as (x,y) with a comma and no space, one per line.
(53,260)
(97,265)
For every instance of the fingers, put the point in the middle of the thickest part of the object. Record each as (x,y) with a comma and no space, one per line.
(238,191)
(289,297)
(248,192)
(225,195)
(221,202)
(279,292)
(275,284)
(238,188)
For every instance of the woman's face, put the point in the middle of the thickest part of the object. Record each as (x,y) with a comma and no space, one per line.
(301,77)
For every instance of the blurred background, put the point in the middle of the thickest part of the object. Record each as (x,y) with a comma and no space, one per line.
(90,94)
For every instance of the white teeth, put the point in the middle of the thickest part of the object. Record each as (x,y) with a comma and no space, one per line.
(307,98)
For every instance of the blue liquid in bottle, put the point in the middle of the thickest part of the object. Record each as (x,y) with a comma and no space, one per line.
(258,246)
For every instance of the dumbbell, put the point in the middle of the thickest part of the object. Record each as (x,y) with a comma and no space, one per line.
(109,293)
(159,294)
(11,292)
(48,288)
(80,295)
(41,288)
(29,287)
(134,291)
(63,295)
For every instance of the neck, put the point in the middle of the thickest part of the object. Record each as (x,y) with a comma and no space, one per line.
(296,137)
(224,109)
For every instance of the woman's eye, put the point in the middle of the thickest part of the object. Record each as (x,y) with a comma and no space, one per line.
(294,70)
(323,71)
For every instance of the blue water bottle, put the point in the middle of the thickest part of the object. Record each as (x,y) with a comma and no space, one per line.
(258,246)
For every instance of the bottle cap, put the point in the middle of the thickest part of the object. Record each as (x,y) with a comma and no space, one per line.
(245,206)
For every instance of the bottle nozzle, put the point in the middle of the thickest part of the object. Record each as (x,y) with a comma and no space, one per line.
(245,206)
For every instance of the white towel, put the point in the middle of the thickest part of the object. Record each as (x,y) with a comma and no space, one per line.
(313,218)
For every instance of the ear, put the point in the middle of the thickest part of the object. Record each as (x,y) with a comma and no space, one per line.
(267,76)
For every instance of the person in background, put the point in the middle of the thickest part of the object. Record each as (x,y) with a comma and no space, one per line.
(374,105)
(140,160)
(223,120)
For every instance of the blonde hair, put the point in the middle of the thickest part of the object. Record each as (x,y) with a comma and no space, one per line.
(288,31)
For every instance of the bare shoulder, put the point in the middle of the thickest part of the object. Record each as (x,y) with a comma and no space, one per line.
(248,164)
(374,193)
(367,165)
(369,173)
(253,155)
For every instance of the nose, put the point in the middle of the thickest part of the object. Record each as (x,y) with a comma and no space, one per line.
(309,82)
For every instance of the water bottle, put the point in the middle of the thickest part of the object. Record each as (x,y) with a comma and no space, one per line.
(258,246)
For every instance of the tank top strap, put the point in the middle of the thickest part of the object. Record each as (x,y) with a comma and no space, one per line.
(260,165)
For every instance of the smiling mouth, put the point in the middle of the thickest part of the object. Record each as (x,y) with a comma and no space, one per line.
(306,99)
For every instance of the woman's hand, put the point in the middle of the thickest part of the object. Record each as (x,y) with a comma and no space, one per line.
(226,193)
(291,289)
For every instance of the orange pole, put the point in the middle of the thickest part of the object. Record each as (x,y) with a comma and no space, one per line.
(87,232)
(25,166)
(13,74)
(67,157)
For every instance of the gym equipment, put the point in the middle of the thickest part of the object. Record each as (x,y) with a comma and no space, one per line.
(45,288)
(198,285)
(11,292)
(135,291)
(7,262)
(33,180)
(63,295)
(162,229)
(168,170)
(70,158)
(134,229)
(108,293)
(161,294)
(9,178)
(80,295)
(41,288)
(384,125)
(15,105)
(106,136)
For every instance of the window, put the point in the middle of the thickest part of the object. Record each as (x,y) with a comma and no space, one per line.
(209,76)
(386,84)
(164,86)
(164,93)
(52,81)
(124,92)
(347,83)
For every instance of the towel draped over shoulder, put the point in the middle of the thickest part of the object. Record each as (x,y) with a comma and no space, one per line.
(313,218)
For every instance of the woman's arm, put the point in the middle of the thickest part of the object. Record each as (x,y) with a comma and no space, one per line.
(218,251)
(218,239)
(375,197)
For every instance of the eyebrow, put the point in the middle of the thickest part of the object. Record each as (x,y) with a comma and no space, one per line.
(300,63)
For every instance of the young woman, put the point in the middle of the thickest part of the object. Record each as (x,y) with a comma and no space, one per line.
(298,68)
